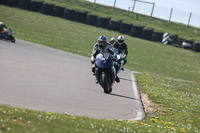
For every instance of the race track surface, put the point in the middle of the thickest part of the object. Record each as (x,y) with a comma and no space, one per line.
(46,79)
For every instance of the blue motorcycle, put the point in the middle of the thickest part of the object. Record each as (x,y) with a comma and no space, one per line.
(104,71)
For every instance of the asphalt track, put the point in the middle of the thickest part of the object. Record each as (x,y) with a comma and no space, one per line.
(46,79)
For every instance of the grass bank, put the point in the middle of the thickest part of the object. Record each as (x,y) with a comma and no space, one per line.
(137,19)
(174,84)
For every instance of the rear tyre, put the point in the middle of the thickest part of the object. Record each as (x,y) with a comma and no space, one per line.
(106,83)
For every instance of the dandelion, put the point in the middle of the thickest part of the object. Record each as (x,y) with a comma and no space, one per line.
(8,129)
(157,117)
(29,122)
(183,131)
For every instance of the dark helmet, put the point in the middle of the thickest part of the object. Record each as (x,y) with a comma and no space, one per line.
(102,40)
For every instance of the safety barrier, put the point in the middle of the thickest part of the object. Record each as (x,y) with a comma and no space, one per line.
(58,11)
(187,44)
(196,47)
(80,16)
(103,22)
(157,36)
(92,19)
(47,9)
(69,14)
(114,25)
(84,17)
(36,5)
(147,34)
(24,4)
(125,28)
(12,3)
(136,31)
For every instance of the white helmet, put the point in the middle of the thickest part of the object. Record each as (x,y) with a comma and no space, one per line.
(1,23)
(121,39)
(113,39)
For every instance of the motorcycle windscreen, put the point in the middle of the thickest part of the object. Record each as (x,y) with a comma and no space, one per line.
(104,64)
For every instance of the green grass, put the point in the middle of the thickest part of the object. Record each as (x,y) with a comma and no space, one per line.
(118,14)
(174,83)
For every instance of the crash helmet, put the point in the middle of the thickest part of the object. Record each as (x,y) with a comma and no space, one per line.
(113,39)
(102,40)
(121,39)
(1,23)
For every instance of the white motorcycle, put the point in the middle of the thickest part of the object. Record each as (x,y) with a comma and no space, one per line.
(119,60)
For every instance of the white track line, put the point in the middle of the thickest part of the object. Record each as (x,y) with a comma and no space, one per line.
(140,113)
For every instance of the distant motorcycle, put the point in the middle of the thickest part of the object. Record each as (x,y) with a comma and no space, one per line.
(8,34)
(104,73)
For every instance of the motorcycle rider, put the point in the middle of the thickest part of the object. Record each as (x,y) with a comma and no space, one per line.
(112,40)
(102,45)
(2,26)
(121,46)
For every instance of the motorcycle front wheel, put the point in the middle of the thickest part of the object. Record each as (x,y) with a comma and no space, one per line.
(106,83)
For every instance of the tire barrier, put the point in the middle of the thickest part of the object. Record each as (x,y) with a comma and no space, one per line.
(179,42)
(3,2)
(125,28)
(114,25)
(187,44)
(36,5)
(58,11)
(172,39)
(12,3)
(158,37)
(80,17)
(92,19)
(136,31)
(196,47)
(69,14)
(147,34)
(103,22)
(47,9)
(24,4)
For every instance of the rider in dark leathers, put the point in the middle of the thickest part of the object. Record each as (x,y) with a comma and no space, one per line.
(2,26)
(121,46)
(102,45)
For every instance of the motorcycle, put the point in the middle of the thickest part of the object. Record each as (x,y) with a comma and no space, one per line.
(7,34)
(119,60)
(104,71)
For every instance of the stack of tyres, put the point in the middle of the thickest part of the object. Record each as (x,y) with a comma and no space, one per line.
(136,31)
(187,44)
(125,28)
(47,9)
(3,2)
(36,6)
(157,36)
(80,17)
(24,4)
(147,34)
(12,3)
(58,11)
(69,14)
(103,22)
(114,25)
(179,42)
(92,19)
(196,47)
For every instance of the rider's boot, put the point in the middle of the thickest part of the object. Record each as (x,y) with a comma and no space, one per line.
(117,79)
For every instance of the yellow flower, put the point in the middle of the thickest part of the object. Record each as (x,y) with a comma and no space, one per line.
(183,131)
(11,113)
(157,117)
